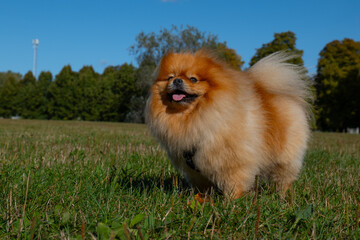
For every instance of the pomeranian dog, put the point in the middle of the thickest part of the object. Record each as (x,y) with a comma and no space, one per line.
(222,127)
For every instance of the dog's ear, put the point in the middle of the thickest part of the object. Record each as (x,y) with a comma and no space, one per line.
(168,53)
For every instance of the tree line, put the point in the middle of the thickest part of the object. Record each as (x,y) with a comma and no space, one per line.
(120,92)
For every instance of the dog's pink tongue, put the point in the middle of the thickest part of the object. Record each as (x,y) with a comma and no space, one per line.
(178,97)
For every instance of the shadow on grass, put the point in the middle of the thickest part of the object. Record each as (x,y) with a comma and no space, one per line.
(131,179)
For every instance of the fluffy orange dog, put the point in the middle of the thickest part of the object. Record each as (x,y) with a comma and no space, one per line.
(222,127)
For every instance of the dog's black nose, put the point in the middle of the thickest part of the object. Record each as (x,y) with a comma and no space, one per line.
(178,82)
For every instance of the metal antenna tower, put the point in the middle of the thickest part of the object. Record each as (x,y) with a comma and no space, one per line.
(35,43)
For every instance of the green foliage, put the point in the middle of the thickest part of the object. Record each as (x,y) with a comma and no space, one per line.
(8,94)
(87,180)
(106,100)
(42,88)
(88,93)
(123,88)
(338,85)
(62,95)
(143,82)
(285,41)
(121,82)
(25,97)
(28,97)
(152,46)
(6,75)
(83,95)
(28,79)
(120,92)
(45,78)
(229,55)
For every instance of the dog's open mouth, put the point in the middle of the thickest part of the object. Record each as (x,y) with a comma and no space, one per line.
(181,96)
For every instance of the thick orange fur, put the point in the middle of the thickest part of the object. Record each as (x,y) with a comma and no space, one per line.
(242,124)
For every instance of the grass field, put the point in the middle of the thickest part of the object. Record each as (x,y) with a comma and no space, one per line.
(83,180)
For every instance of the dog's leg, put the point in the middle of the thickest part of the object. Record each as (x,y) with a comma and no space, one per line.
(236,183)
(285,173)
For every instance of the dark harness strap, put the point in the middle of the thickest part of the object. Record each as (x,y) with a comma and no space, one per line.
(188,155)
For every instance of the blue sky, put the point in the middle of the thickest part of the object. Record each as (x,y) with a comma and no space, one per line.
(99,33)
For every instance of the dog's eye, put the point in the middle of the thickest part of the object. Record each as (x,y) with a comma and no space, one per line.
(194,80)
(169,78)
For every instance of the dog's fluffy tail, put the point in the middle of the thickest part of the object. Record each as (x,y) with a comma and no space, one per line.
(282,78)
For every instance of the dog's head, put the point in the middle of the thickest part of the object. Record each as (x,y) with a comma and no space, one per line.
(185,79)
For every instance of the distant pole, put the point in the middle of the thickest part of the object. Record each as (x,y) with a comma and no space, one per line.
(35,43)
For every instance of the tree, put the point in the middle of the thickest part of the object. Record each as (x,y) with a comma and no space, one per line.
(9,87)
(8,94)
(28,79)
(6,75)
(27,100)
(285,41)
(42,93)
(143,82)
(151,47)
(45,78)
(62,95)
(124,88)
(229,55)
(88,92)
(106,100)
(118,86)
(338,85)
